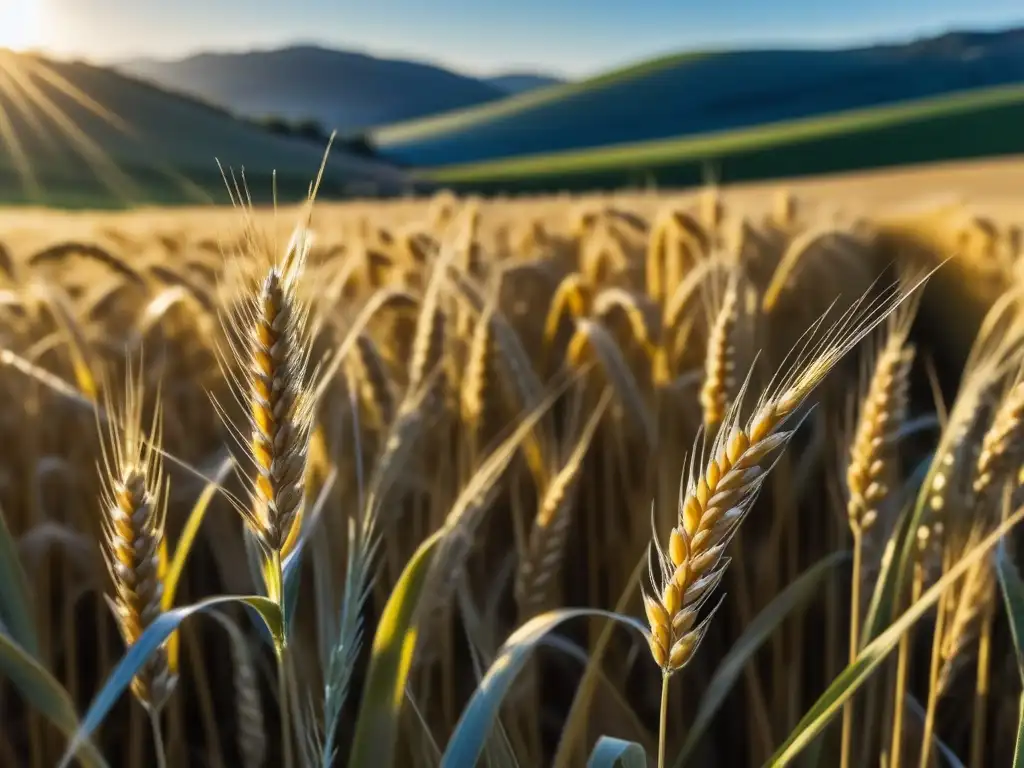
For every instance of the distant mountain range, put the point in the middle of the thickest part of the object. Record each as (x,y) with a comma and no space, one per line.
(341,90)
(707,92)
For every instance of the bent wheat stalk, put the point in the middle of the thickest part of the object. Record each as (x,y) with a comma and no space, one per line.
(719,494)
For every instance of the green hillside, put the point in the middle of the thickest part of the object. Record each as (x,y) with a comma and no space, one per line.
(465,119)
(975,124)
(699,93)
(75,134)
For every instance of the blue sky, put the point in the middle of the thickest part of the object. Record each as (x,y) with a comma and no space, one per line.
(567,37)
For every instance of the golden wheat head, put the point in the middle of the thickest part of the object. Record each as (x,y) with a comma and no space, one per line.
(268,338)
(720,491)
(134,499)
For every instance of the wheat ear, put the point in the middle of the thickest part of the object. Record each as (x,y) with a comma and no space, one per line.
(542,558)
(882,415)
(268,336)
(1000,454)
(720,494)
(1002,447)
(134,498)
(719,385)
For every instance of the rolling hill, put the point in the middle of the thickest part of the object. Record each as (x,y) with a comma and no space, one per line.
(76,134)
(514,83)
(980,123)
(341,90)
(701,92)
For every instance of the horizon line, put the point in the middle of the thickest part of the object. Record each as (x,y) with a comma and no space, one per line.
(823,43)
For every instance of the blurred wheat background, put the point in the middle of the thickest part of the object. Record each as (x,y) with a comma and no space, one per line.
(624,325)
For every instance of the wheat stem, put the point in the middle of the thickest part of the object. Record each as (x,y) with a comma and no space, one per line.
(858,551)
(284,707)
(933,685)
(158,738)
(663,728)
(981,688)
(902,664)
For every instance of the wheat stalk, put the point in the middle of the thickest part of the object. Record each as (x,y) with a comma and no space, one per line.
(882,415)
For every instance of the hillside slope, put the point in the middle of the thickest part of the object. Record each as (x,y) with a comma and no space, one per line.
(980,123)
(82,134)
(514,83)
(697,93)
(341,90)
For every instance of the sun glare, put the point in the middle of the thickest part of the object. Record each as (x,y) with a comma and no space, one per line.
(19,24)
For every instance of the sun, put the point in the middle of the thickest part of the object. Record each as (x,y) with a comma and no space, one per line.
(19,24)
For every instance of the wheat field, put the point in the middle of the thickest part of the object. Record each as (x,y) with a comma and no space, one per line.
(721,478)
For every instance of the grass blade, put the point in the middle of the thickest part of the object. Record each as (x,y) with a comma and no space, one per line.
(474,726)
(617,753)
(391,659)
(1018,750)
(137,655)
(43,692)
(15,598)
(1013,596)
(850,679)
(759,630)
